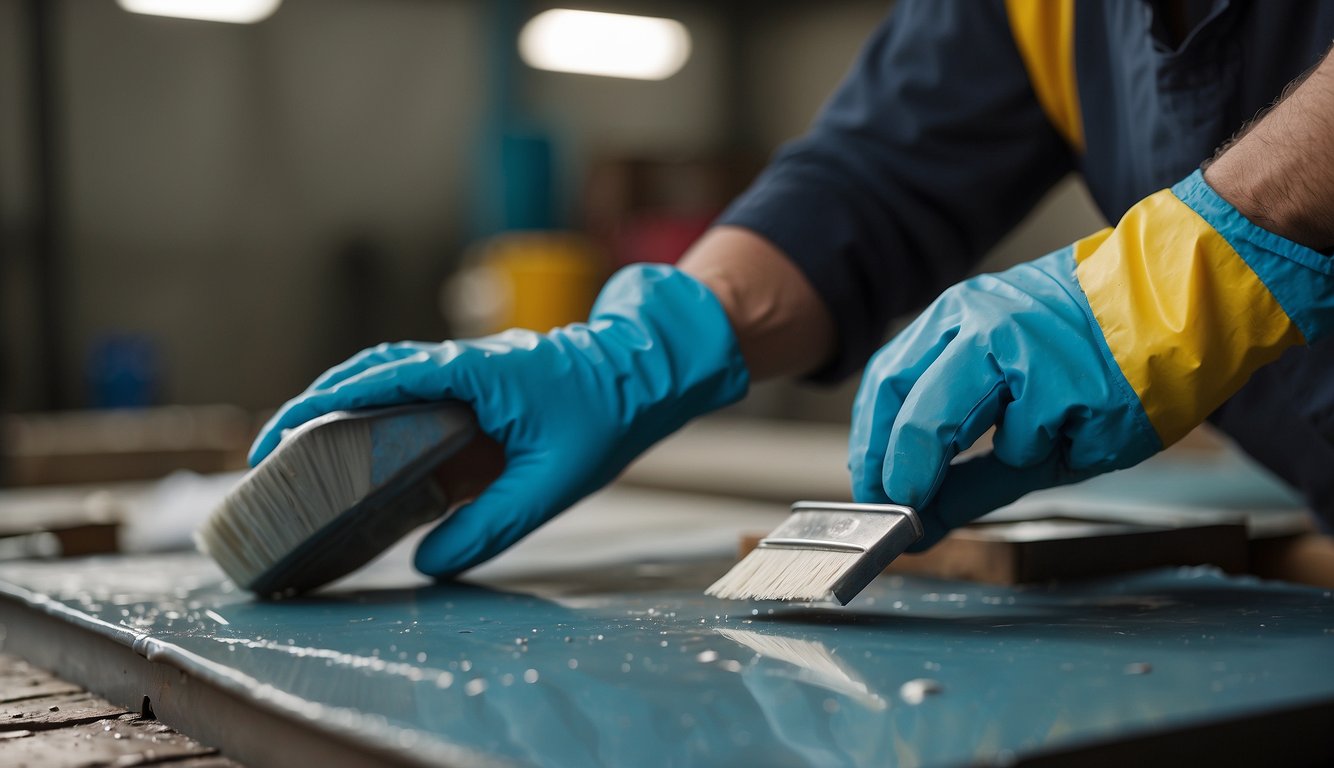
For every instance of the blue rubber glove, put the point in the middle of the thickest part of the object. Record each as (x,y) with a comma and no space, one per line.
(1018,350)
(571,407)
(1087,360)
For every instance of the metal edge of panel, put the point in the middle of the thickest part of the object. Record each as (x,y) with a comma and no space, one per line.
(214,711)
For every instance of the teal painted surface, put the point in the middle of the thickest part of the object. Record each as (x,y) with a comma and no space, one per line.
(1225,480)
(609,669)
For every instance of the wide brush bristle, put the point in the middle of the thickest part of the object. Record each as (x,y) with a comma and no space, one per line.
(782,573)
(307,482)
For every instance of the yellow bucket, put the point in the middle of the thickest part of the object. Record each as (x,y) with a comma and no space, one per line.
(533,280)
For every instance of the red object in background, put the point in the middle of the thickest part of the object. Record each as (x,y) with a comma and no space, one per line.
(643,209)
(658,237)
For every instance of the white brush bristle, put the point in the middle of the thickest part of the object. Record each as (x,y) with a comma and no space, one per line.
(305,484)
(774,573)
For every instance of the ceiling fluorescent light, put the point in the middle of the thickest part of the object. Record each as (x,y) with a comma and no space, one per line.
(607,44)
(232,11)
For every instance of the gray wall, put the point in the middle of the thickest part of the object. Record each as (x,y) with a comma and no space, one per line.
(16,306)
(215,171)
(593,117)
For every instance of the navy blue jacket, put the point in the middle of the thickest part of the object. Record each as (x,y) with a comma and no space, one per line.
(938,142)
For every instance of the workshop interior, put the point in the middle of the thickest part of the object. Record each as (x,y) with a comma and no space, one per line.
(210,208)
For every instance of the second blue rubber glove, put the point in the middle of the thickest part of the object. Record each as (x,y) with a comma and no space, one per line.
(1018,350)
(1087,360)
(572,407)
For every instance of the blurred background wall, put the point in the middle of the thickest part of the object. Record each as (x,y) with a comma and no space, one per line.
(256,202)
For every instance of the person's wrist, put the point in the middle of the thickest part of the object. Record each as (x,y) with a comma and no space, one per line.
(780,322)
(1265,202)
(1276,173)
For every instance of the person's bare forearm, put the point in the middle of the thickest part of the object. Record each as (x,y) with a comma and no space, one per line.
(781,323)
(1280,172)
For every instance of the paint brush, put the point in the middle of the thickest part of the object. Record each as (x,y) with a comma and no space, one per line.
(824,551)
(340,489)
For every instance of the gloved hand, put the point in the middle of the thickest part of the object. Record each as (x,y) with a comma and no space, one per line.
(571,407)
(1087,360)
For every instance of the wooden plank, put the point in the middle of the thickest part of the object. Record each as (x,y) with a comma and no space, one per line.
(984,553)
(47,712)
(45,721)
(20,681)
(1304,559)
(109,446)
(124,741)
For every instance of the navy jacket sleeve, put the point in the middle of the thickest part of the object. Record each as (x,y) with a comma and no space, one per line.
(933,147)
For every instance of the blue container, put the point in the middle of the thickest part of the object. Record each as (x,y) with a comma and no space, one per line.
(124,371)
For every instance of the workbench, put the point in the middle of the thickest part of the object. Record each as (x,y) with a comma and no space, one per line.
(562,653)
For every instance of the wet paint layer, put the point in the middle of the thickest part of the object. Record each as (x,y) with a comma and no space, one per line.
(632,665)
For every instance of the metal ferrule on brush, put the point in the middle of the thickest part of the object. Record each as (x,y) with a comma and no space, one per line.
(823,550)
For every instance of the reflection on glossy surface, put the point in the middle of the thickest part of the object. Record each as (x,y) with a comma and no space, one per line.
(577,673)
(808,661)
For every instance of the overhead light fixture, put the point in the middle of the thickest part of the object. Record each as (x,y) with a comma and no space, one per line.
(231,11)
(606,44)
